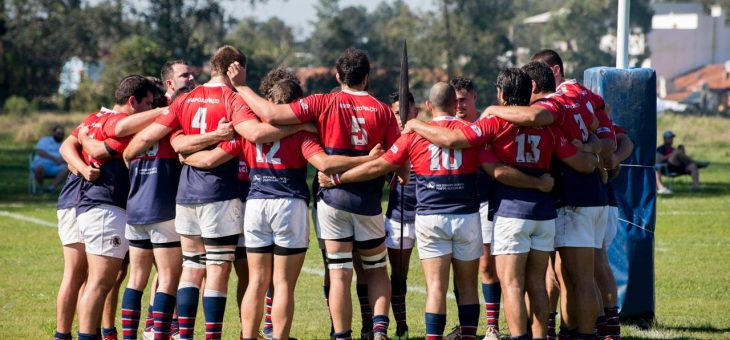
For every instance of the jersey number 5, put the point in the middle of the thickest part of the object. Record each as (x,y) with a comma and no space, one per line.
(270,156)
(358,135)
(441,157)
(528,156)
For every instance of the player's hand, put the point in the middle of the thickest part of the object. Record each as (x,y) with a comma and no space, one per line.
(83,132)
(308,127)
(91,173)
(237,74)
(324,180)
(603,173)
(377,151)
(546,183)
(73,170)
(408,128)
(224,130)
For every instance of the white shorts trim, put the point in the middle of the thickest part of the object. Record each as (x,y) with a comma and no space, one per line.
(487,225)
(611,226)
(336,224)
(518,236)
(157,233)
(583,227)
(210,220)
(440,235)
(282,222)
(392,234)
(102,229)
(68,228)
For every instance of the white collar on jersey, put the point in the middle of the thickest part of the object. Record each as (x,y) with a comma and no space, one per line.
(440,118)
(566,82)
(356,93)
(106,110)
(214,84)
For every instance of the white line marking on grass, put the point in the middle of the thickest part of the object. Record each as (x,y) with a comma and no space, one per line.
(311,271)
(28,219)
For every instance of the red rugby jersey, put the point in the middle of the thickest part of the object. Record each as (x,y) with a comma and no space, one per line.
(350,123)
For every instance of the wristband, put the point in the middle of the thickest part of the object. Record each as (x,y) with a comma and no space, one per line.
(335,178)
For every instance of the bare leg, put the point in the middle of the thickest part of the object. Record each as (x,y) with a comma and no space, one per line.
(340,281)
(511,270)
(537,263)
(103,271)
(111,303)
(578,282)
(74,275)
(260,266)
(286,273)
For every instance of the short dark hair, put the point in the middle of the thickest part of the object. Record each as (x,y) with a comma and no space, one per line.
(462,83)
(443,96)
(56,127)
(160,100)
(549,57)
(516,86)
(395,97)
(166,72)
(183,90)
(542,75)
(224,57)
(273,77)
(133,85)
(353,66)
(285,91)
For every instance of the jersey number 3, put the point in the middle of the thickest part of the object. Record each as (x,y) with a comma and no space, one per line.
(528,156)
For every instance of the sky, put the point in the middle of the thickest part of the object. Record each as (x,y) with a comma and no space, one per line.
(298,14)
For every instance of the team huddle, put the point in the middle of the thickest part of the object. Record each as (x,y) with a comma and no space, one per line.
(199,180)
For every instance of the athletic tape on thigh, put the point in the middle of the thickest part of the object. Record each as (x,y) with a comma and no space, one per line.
(339,260)
(374,261)
(193,259)
(220,256)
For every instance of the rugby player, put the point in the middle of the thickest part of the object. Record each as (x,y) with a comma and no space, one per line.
(604,276)
(466,109)
(101,214)
(401,207)
(351,123)
(208,212)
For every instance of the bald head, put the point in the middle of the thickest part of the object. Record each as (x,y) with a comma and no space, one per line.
(443,97)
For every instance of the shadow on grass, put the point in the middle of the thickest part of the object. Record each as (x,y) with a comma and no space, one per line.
(707,189)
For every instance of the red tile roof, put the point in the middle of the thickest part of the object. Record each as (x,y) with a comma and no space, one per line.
(715,76)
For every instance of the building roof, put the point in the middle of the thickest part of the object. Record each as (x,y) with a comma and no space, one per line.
(678,8)
(714,77)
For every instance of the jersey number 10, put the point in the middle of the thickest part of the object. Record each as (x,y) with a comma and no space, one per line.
(442,158)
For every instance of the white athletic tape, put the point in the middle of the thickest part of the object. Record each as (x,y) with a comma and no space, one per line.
(195,260)
(339,260)
(374,261)
(220,257)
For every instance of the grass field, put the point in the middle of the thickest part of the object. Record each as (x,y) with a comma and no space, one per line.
(692,235)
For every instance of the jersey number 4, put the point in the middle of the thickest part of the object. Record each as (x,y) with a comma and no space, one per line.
(528,156)
(444,158)
(199,119)
(270,156)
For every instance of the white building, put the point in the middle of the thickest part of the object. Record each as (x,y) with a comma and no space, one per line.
(684,38)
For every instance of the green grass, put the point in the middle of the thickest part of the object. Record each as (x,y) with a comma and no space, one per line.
(692,271)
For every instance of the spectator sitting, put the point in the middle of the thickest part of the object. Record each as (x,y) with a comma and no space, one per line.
(48,161)
(677,161)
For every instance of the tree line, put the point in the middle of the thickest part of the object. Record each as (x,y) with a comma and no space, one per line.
(474,38)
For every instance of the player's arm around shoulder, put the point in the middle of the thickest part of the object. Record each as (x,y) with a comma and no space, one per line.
(533,115)
(264,109)
(439,136)
(207,159)
(333,164)
(94,148)
(144,139)
(134,123)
